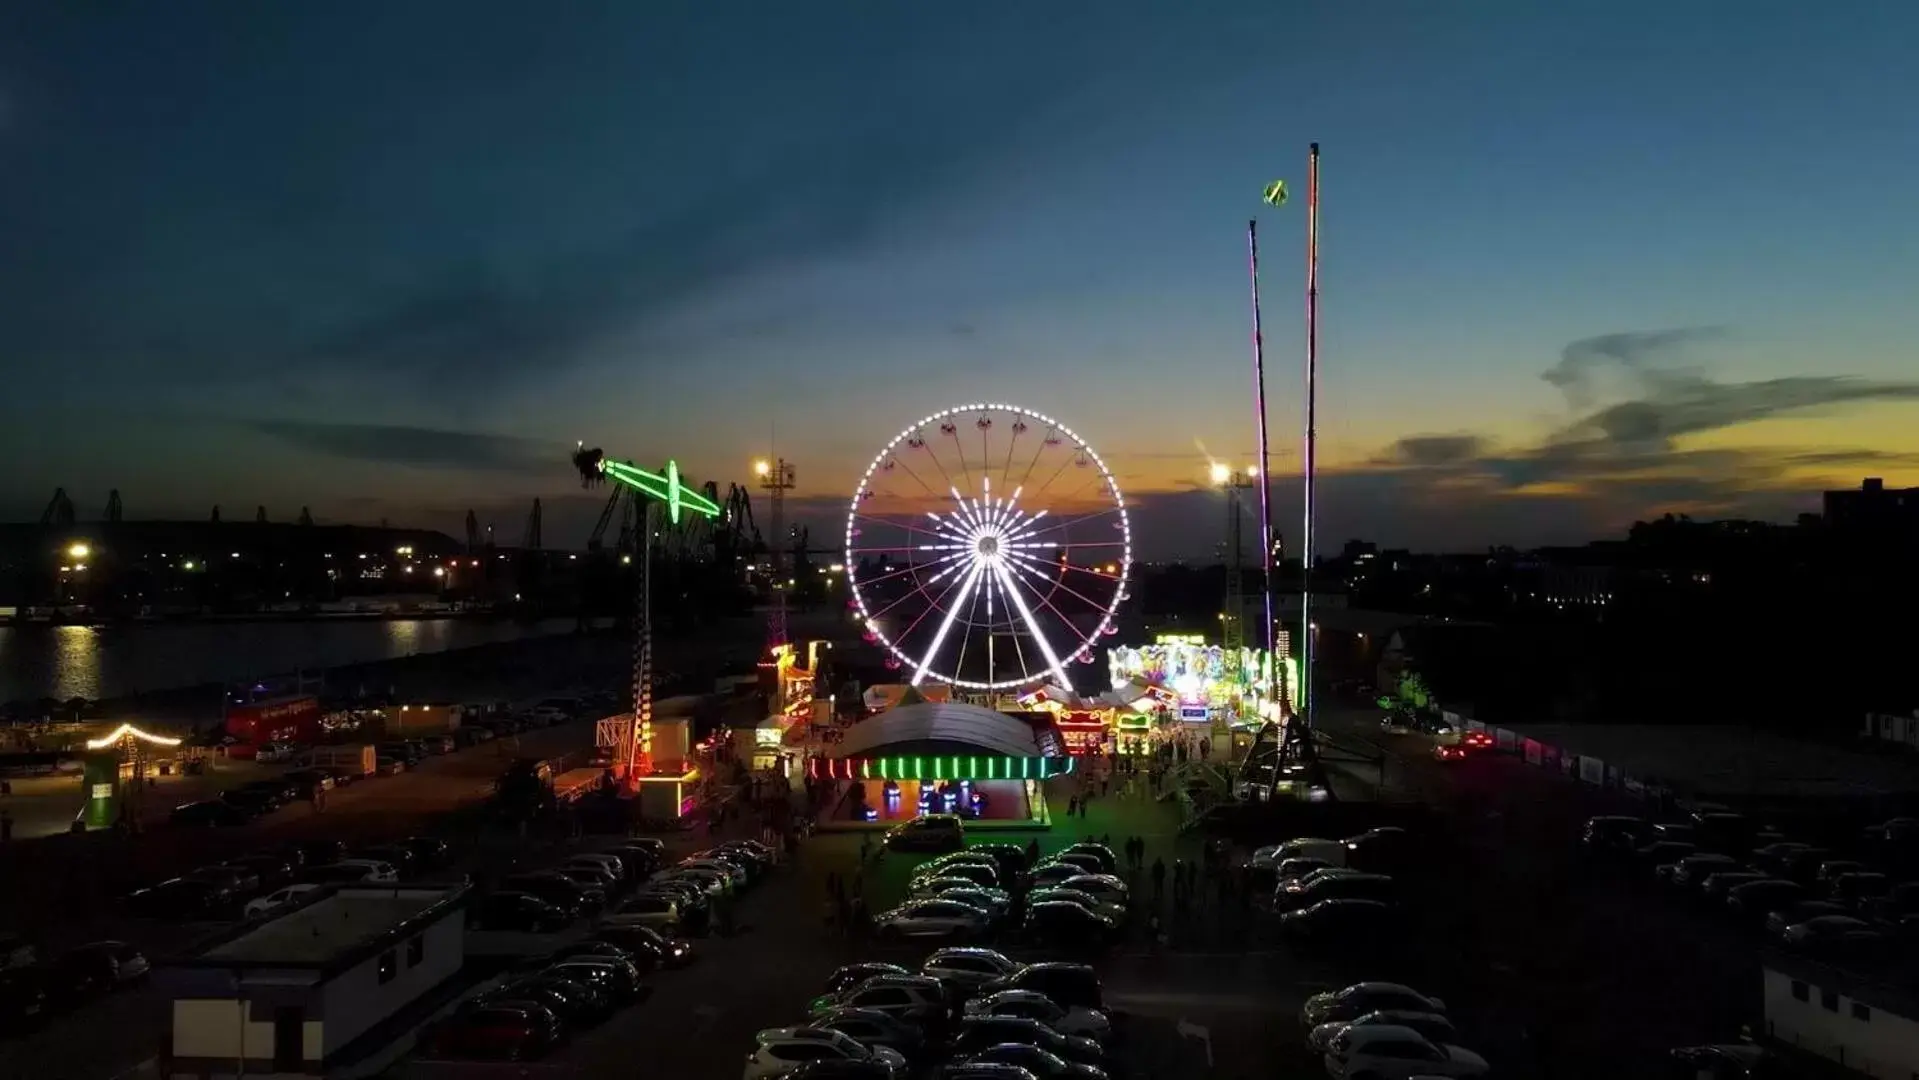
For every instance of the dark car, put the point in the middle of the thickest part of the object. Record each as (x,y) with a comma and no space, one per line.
(1663,852)
(23,998)
(1041,1063)
(980,1033)
(516,911)
(841,1069)
(1754,900)
(398,856)
(1334,885)
(1067,925)
(1071,986)
(618,978)
(183,899)
(502,1031)
(846,978)
(1382,850)
(663,951)
(209,813)
(934,832)
(270,869)
(1614,834)
(558,890)
(90,970)
(1346,922)
(589,948)
(574,1003)
(1858,887)
(320,852)
(1108,862)
(871,1027)
(429,852)
(1734,1061)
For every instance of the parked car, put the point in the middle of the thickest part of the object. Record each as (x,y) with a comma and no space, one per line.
(933,832)
(1387,1050)
(498,1031)
(282,897)
(516,911)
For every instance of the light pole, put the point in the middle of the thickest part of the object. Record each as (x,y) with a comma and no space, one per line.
(776,478)
(1232,617)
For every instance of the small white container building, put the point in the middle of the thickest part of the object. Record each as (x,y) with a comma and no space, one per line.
(286,997)
(1867,1026)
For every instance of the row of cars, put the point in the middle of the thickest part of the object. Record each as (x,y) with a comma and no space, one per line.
(1842,905)
(643,911)
(532,1009)
(1344,895)
(966,1013)
(1073,899)
(263,882)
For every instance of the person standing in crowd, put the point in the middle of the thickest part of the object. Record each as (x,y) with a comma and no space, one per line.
(1159,881)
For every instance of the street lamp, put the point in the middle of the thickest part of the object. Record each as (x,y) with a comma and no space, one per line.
(78,551)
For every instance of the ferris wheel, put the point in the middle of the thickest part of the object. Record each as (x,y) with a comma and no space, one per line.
(987,546)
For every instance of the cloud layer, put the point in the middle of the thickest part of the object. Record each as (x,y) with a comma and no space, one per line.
(1634,411)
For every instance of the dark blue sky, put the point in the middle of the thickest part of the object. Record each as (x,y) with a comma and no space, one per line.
(388,260)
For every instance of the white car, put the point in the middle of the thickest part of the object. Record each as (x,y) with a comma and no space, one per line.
(376,870)
(969,967)
(1103,887)
(282,897)
(715,882)
(734,873)
(1304,847)
(778,1051)
(610,863)
(1054,875)
(1435,1026)
(1361,998)
(1033,1005)
(992,901)
(1113,911)
(1391,1052)
(933,918)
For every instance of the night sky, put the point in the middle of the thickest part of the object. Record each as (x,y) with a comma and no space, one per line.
(1582,263)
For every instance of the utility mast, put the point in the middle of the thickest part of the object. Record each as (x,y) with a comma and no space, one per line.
(776,478)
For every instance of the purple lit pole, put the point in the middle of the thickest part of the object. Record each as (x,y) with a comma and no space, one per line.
(1306,649)
(1265,460)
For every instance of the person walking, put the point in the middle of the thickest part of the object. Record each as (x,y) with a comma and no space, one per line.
(1159,881)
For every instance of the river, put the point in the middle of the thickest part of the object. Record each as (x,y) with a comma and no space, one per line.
(98,662)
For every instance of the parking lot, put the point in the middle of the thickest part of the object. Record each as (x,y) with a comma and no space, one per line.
(66,890)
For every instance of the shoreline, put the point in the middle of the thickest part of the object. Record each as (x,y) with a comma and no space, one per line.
(598,659)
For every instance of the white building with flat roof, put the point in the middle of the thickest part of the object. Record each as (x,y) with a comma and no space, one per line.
(289,996)
(1866,1025)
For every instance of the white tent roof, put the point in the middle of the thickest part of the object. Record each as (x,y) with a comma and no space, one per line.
(941,721)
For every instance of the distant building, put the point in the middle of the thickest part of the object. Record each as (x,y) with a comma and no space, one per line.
(1870,1028)
(287,997)
(1874,510)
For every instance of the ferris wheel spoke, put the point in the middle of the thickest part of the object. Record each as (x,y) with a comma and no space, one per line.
(1006,470)
(964,474)
(1032,624)
(946,624)
(912,569)
(1061,585)
(1045,440)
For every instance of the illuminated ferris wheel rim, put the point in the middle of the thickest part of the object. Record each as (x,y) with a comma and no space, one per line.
(924,666)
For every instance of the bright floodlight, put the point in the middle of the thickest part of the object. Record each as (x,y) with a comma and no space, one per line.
(1222,473)
(762,467)
(986,547)
(78,551)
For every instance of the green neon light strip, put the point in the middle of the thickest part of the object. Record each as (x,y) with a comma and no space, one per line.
(960,767)
(670,489)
